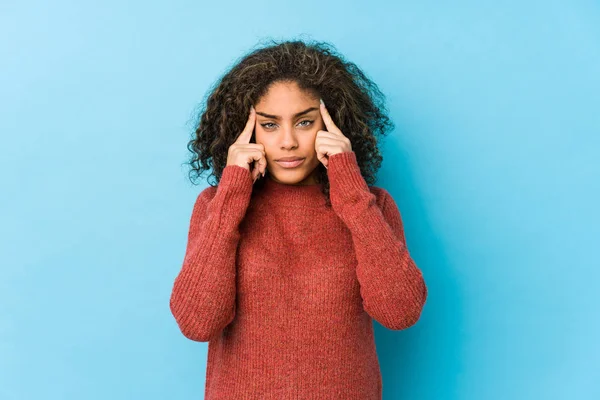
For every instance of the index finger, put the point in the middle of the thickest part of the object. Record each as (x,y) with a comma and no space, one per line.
(246,134)
(331,127)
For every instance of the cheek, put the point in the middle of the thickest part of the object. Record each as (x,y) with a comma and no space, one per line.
(313,137)
(265,141)
(260,136)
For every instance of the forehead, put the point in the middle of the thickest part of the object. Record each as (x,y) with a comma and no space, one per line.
(285,98)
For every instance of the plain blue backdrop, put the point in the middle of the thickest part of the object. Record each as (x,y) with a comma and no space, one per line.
(493,163)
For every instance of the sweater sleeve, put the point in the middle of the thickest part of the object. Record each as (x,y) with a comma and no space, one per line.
(391,285)
(204,292)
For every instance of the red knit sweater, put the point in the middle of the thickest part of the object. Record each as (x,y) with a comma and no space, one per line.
(284,289)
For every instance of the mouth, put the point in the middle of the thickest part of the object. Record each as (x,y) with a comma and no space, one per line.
(290,164)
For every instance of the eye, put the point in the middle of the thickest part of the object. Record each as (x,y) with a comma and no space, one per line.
(307,120)
(265,125)
(269,125)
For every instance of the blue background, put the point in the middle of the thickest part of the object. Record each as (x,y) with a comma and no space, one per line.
(494,165)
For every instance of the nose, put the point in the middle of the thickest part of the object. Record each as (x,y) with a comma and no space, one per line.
(288,140)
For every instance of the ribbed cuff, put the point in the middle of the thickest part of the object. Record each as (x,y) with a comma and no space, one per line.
(236,179)
(344,173)
(347,187)
(234,192)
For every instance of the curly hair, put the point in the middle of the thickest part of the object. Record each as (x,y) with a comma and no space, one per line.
(355,103)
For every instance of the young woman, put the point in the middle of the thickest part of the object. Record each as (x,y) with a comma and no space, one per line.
(293,253)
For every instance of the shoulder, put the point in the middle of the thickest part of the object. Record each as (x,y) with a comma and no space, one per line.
(205,196)
(208,192)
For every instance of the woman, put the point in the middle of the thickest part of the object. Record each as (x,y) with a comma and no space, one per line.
(293,254)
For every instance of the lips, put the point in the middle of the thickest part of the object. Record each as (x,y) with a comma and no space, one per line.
(289,159)
(290,164)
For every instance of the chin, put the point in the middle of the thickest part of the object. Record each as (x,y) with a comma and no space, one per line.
(292,177)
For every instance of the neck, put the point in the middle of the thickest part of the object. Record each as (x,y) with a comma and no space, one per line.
(288,195)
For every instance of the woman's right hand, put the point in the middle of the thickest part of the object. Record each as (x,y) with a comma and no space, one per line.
(244,153)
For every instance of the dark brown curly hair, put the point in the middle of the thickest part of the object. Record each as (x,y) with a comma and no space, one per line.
(355,103)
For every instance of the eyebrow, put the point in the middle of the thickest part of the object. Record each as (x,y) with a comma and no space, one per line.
(295,115)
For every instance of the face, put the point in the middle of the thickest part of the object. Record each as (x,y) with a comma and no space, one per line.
(287,122)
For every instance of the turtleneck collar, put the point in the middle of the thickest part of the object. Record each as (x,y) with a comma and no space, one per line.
(283,194)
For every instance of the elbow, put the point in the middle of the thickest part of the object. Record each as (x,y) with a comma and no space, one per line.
(408,319)
(398,319)
(405,320)
(191,327)
(198,335)
(188,324)
(409,314)
(194,328)
(413,311)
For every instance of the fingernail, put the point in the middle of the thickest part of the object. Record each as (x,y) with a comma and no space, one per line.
(321,100)
(251,108)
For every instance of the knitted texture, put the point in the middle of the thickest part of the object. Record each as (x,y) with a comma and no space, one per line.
(285,290)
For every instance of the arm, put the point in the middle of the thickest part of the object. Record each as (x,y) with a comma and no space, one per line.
(204,291)
(391,285)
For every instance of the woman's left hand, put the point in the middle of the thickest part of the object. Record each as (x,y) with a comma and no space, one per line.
(332,141)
